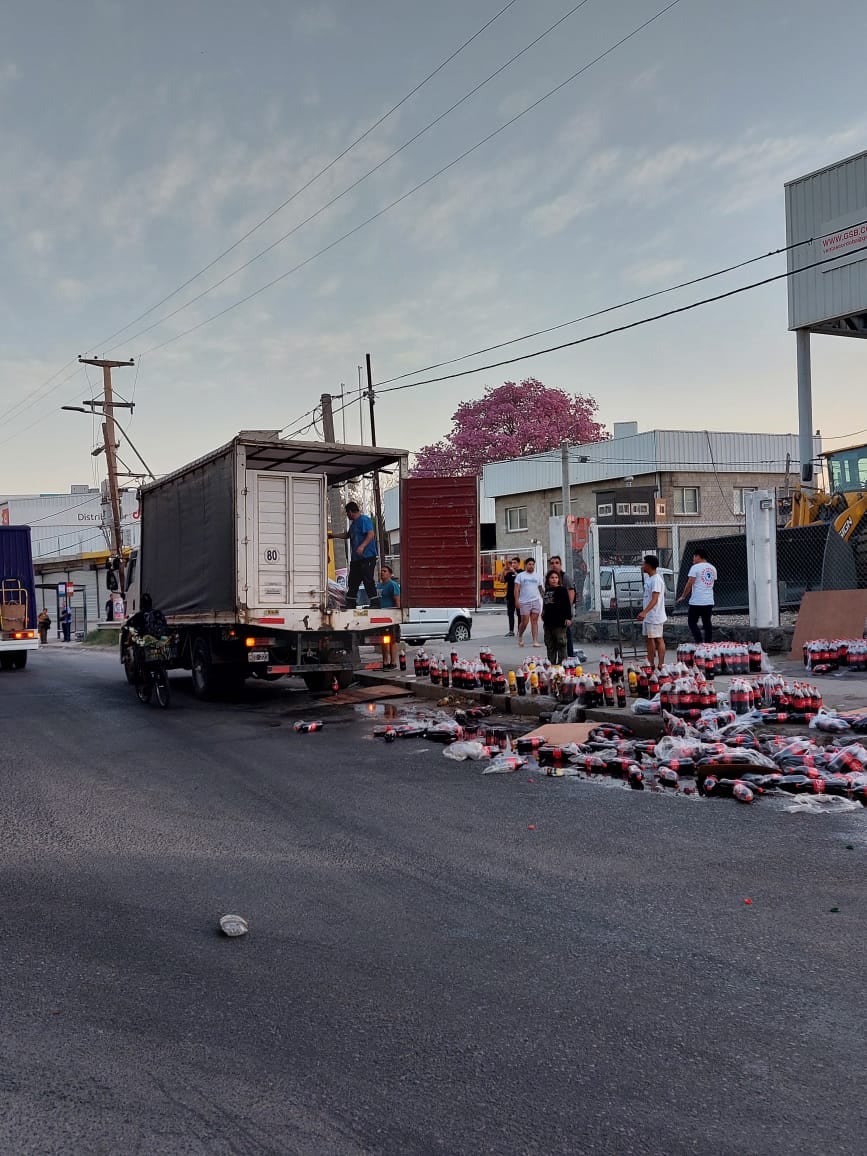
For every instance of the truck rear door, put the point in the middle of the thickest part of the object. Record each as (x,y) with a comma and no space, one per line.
(439,542)
(286,539)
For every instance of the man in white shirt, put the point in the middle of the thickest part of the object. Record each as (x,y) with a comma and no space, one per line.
(653,616)
(698,592)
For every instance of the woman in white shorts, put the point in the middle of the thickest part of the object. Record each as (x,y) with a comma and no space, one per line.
(528,599)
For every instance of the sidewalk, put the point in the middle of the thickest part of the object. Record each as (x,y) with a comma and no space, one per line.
(844,691)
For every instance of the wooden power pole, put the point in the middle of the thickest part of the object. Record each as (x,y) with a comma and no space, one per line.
(108,405)
(335,499)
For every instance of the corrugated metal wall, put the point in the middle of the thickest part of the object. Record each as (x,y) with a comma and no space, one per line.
(658,450)
(439,548)
(823,205)
(65,524)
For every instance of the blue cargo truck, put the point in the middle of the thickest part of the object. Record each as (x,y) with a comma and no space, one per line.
(18,631)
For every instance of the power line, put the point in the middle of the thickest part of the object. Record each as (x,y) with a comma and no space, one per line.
(422,184)
(600,312)
(36,421)
(20,407)
(620,328)
(23,405)
(354,185)
(321,173)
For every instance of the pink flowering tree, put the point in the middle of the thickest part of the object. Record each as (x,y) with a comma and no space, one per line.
(510,421)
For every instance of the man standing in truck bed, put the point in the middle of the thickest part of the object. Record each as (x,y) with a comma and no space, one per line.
(362,565)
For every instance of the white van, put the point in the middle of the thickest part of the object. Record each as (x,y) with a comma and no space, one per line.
(622,590)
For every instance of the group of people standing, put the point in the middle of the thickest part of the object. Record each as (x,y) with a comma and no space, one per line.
(530,600)
(697,593)
(43,624)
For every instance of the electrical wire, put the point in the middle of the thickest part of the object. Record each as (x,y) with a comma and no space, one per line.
(728,504)
(621,328)
(355,184)
(601,312)
(321,173)
(422,184)
(20,407)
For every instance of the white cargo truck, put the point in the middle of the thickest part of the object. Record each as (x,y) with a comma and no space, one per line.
(234,552)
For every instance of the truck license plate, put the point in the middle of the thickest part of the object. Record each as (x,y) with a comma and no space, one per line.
(258,656)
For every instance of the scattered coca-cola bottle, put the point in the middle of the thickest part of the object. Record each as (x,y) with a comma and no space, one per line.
(668,777)
(801,784)
(521,680)
(444,676)
(401,659)
(636,778)
(742,792)
(434,671)
(621,695)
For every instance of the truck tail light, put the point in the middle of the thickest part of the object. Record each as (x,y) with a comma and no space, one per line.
(251,642)
(17,634)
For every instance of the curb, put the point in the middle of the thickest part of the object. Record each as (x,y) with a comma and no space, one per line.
(529,707)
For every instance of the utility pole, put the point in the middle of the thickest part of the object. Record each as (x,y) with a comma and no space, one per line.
(108,406)
(335,500)
(566,491)
(377,495)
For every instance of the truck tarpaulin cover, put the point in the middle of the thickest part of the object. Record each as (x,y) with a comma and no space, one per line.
(188,540)
(16,565)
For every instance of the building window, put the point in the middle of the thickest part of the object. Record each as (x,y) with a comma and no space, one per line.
(641,509)
(516,518)
(605,510)
(623,509)
(686,499)
(556,508)
(738,492)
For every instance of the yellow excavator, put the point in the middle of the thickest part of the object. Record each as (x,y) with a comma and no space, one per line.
(844,508)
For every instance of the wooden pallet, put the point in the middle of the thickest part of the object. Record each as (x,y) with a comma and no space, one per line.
(366,694)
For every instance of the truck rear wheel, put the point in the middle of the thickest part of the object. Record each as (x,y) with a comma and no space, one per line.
(319,681)
(19,660)
(5,661)
(203,670)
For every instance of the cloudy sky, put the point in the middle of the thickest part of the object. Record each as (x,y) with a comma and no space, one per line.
(140,141)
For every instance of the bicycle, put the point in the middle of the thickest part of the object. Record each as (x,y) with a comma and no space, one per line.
(151,669)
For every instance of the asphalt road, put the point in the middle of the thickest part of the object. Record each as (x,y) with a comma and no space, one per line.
(423,973)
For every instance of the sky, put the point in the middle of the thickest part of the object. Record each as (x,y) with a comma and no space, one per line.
(140,141)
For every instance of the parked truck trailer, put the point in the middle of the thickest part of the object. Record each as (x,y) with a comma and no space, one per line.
(234,552)
(18,630)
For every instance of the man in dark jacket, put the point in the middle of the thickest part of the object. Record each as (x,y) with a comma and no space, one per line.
(556,617)
(513,568)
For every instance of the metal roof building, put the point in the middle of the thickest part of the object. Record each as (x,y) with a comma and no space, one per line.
(629,452)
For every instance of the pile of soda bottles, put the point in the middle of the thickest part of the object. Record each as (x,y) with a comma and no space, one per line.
(713,658)
(776,700)
(822,655)
(718,759)
(440,727)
